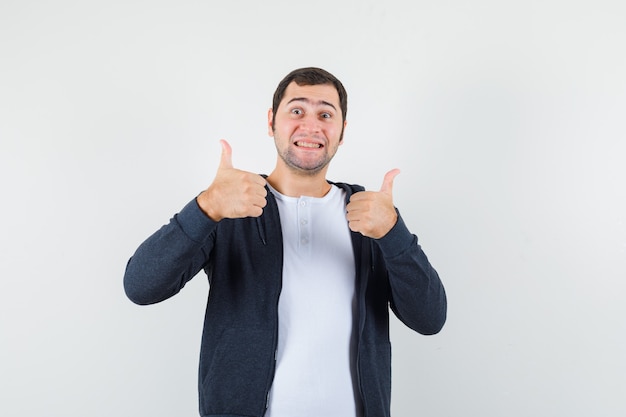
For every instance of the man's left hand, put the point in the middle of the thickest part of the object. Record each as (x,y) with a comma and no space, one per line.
(372,213)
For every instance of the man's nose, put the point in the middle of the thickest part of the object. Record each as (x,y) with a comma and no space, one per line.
(310,123)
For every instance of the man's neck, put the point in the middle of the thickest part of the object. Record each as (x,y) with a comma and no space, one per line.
(295,184)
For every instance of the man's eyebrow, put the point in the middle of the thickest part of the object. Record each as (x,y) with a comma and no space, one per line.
(307,100)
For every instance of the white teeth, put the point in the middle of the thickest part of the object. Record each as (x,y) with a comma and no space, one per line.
(308,145)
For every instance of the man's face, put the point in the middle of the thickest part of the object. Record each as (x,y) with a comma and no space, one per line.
(307,127)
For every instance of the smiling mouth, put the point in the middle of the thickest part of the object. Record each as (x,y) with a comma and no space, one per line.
(303,144)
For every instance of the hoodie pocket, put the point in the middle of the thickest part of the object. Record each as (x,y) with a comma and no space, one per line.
(237,378)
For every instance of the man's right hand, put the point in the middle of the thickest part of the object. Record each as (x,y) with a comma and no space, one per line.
(234,193)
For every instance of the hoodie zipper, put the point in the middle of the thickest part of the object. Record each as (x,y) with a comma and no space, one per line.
(262,234)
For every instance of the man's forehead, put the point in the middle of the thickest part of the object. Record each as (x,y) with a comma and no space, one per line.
(324,93)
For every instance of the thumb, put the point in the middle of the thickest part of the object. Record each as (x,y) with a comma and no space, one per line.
(387,186)
(226,160)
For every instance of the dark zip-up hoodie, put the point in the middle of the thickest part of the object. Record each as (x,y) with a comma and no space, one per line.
(243,259)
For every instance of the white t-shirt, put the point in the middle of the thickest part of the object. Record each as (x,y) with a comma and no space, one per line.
(315,376)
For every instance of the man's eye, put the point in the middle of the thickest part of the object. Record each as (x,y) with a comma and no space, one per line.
(326,115)
(296,111)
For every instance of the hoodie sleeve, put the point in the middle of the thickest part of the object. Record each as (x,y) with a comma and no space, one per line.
(168,259)
(418,297)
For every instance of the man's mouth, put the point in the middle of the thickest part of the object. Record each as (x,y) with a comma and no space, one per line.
(304,144)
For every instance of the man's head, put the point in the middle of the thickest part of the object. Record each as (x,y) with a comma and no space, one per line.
(310,76)
(307,120)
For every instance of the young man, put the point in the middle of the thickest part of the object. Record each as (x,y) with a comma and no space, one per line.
(302,272)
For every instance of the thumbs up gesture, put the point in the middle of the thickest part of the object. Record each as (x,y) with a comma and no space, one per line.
(372,213)
(234,193)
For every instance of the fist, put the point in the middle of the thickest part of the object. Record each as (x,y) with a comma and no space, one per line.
(234,193)
(372,213)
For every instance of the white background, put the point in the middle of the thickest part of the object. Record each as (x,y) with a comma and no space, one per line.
(507,119)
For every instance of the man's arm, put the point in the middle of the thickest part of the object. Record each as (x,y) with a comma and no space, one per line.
(163,263)
(173,255)
(417,295)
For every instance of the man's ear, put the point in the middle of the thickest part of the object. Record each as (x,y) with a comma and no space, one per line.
(345,123)
(270,125)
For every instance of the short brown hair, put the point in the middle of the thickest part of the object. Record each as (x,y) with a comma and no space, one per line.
(310,76)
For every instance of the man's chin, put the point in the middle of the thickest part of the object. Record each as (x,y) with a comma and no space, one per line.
(307,171)
(305,167)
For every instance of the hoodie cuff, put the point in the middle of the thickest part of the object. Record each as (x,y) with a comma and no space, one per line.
(397,239)
(194,223)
